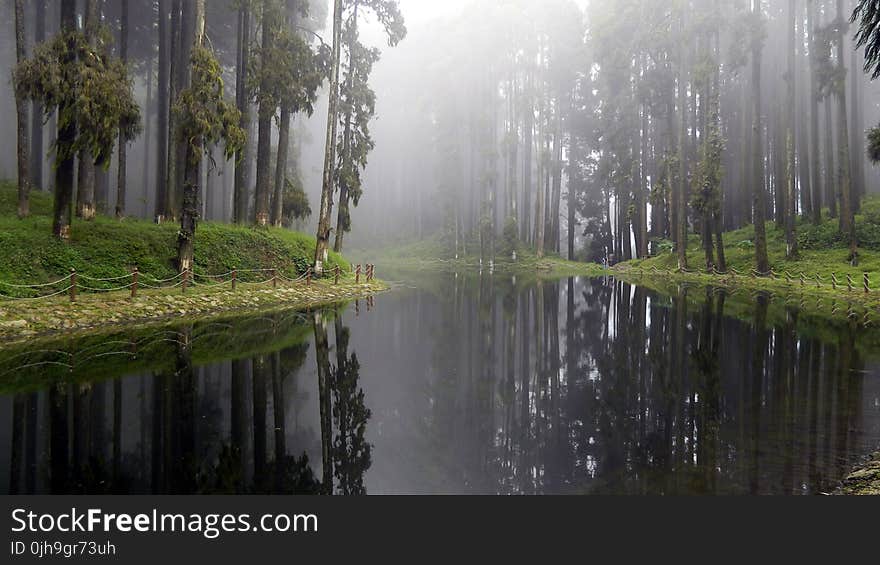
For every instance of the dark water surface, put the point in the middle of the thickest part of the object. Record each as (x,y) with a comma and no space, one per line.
(455,385)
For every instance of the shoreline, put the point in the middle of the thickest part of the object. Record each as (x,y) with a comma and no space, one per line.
(23,319)
(731,281)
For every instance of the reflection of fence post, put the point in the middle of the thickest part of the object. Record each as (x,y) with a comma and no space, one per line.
(234,277)
(134,282)
(866,282)
(357,275)
(72,284)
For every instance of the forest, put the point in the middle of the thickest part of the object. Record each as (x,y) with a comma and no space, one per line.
(600,131)
(624,246)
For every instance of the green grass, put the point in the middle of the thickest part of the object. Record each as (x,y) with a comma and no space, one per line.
(431,254)
(822,250)
(106,247)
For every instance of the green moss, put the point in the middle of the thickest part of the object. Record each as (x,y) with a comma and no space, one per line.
(106,247)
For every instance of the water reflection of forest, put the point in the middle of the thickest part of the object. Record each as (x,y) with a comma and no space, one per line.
(476,385)
(595,385)
(221,427)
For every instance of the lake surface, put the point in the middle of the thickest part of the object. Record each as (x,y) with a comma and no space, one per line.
(453,384)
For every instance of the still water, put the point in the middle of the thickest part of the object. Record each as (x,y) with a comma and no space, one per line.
(453,385)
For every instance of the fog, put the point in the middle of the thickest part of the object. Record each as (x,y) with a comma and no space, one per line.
(491,113)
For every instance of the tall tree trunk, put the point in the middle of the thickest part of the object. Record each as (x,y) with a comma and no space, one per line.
(281,168)
(175,86)
(681,196)
(528,129)
(192,33)
(326,209)
(858,133)
(120,177)
(831,184)
(265,113)
(846,223)
(283,135)
(37,155)
(64,169)
(240,190)
(21,114)
(571,201)
(85,188)
(762,262)
(791,250)
(556,192)
(148,134)
(816,180)
(343,218)
(802,133)
(543,153)
(163,131)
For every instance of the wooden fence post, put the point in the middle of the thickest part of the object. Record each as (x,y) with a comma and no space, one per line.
(234,277)
(849,282)
(357,275)
(833,281)
(337,275)
(134,282)
(72,284)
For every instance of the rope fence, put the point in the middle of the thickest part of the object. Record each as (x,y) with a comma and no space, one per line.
(846,280)
(76,283)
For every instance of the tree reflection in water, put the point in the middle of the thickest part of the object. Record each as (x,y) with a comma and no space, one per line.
(606,387)
(477,384)
(186,426)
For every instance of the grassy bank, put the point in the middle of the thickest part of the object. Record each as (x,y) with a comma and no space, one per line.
(26,319)
(822,252)
(106,247)
(431,254)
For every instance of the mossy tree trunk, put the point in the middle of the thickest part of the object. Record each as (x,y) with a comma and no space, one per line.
(85,188)
(64,169)
(326,209)
(343,220)
(189,212)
